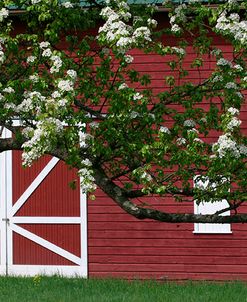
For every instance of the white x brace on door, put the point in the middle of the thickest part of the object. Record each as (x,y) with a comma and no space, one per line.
(12,225)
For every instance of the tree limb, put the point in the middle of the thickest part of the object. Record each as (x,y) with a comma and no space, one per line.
(120,197)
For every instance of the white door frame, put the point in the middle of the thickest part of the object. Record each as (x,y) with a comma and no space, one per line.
(9,225)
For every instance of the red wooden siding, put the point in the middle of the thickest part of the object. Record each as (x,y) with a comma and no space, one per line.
(121,246)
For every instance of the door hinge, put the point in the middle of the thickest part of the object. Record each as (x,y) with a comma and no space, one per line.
(5,219)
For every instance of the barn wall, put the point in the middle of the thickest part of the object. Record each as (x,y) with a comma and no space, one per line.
(122,246)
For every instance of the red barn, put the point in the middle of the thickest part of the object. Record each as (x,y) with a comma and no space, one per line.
(48,228)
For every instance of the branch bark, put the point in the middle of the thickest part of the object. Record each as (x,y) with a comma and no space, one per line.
(120,197)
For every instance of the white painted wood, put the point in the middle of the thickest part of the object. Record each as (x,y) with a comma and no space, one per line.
(45,220)
(84,244)
(48,270)
(34,185)
(210,208)
(9,202)
(2,209)
(5,199)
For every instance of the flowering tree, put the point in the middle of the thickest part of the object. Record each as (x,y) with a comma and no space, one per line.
(68,88)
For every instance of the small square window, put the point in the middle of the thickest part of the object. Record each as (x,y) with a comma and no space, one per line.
(210,208)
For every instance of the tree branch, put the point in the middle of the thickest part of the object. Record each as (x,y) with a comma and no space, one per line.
(120,197)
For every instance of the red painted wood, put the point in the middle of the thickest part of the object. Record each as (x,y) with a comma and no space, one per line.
(27,252)
(64,236)
(53,197)
(22,177)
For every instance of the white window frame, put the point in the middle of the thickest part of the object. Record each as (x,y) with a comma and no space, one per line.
(210,208)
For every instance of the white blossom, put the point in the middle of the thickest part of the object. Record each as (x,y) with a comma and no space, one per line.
(189,123)
(137,96)
(31,101)
(35,1)
(128,59)
(94,125)
(72,73)
(47,53)
(8,90)
(164,130)
(193,130)
(179,51)
(56,94)
(242,150)
(117,28)
(234,123)
(239,94)
(27,132)
(122,86)
(224,145)
(65,85)
(231,85)
(34,78)
(233,111)
(44,44)
(238,67)
(84,138)
(86,162)
(181,141)
(146,176)
(175,28)
(41,139)
(134,114)
(57,63)
(152,22)
(86,177)
(217,78)
(67,4)
(2,57)
(3,14)
(143,33)
(31,59)
(216,52)
(232,25)
(63,102)
(224,62)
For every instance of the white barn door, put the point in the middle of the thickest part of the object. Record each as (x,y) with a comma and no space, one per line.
(43,225)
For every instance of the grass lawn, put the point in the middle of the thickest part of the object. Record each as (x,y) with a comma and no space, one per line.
(57,289)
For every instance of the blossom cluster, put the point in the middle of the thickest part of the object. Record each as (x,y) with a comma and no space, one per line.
(117,30)
(178,16)
(42,139)
(232,25)
(3,14)
(226,143)
(46,52)
(86,176)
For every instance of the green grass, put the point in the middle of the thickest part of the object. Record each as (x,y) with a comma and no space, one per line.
(57,289)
